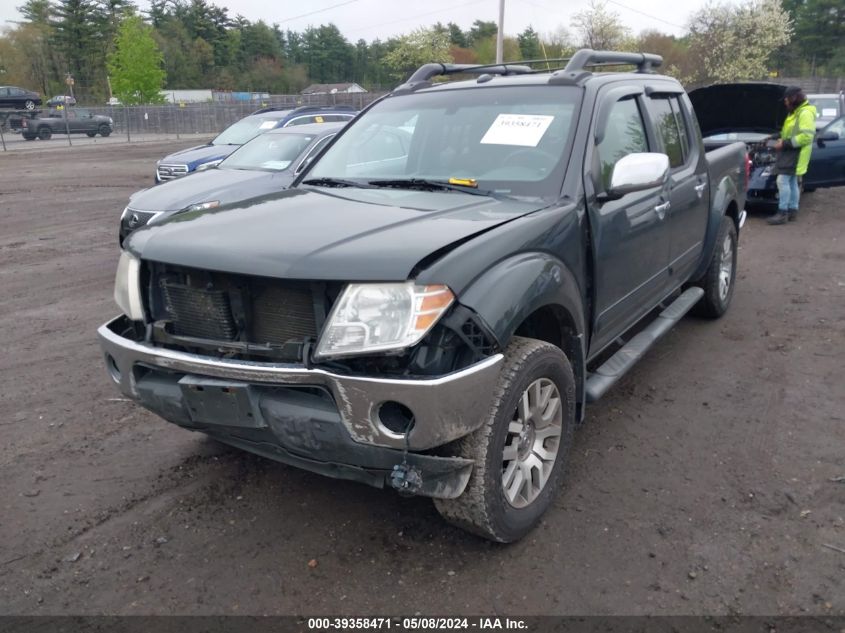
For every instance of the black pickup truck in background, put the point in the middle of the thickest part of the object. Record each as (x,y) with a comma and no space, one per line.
(436,319)
(65,121)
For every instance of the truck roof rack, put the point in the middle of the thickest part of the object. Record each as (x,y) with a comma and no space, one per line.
(424,74)
(575,69)
(645,62)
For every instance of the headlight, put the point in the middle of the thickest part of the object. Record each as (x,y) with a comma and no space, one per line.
(127,286)
(376,317)
(203,206)
(210,165)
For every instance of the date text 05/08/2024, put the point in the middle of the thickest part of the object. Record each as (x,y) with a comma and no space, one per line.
(416,623)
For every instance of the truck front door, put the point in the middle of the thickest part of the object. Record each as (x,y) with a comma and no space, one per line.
(629,234)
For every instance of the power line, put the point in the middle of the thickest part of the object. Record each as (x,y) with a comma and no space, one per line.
(414,17)
(619,4)
(305,15)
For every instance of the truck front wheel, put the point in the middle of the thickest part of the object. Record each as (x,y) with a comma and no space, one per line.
(521,450)
(104,130)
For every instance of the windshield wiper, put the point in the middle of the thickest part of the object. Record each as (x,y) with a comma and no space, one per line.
(425,184)
(335,182)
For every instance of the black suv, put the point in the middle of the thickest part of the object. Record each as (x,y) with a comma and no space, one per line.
(434,315)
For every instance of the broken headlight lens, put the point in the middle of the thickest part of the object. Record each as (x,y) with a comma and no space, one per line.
(377,317)
(127,286)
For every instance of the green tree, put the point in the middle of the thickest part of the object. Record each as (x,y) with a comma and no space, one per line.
(136,64)
(78,36)
(734,43)
(419,47)
(599,28)
(529,44)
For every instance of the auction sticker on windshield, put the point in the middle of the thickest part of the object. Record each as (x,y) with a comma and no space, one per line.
(525,130)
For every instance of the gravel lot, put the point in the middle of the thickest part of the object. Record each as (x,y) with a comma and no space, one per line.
(705,483)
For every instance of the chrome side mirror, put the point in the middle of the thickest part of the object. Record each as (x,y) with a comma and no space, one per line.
(638,172)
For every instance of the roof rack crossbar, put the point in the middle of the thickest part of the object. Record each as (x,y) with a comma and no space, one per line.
(645,62)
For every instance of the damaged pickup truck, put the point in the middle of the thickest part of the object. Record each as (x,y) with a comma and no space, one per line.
(434,316)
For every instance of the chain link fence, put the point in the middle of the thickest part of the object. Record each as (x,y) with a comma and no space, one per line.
(174,121)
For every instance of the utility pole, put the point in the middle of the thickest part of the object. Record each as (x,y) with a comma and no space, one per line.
(500,36)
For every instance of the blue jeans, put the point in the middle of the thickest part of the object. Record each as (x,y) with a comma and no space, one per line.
(788,192)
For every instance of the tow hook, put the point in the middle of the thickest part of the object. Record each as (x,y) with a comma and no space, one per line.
(406,479)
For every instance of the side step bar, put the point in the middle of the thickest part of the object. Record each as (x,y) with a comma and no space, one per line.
(617,365)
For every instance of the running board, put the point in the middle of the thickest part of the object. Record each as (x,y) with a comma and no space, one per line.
(617,365)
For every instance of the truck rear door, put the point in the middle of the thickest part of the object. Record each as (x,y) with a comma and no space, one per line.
(630,234)
(688,188)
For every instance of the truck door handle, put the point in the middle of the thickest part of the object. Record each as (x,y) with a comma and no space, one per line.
(699,189)
(661,209)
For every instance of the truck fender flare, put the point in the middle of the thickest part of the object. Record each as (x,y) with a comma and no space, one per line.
(723,197)
(513,289)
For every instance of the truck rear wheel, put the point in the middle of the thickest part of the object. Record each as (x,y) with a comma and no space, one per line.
(718,281)
(521,450)
(45,133)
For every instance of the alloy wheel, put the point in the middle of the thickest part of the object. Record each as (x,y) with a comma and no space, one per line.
(532,443)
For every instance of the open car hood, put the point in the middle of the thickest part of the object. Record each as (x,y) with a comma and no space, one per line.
(739,107)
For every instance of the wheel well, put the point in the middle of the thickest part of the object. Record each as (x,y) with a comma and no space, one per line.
(553,324)
(733,212)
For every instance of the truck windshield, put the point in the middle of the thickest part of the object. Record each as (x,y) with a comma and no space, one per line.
(246,129)
(271,152)
(511,140)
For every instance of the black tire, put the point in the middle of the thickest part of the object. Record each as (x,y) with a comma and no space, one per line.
(28,137)
(45,133)
(717,298)
(483,507)
(104,130)
(90,134)
(29,104)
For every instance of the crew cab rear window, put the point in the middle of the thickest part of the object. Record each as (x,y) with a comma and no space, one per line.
(670,126)
(625,134)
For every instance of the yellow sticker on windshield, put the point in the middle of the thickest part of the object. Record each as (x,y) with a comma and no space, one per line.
(464,182)
(318,119)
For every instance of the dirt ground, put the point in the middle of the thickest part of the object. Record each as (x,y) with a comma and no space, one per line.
(705,483)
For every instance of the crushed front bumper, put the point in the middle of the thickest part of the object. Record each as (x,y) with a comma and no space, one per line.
(311,418)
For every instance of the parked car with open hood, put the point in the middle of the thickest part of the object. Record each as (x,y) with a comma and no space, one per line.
(435,316)
(752,113)
(266,164)
(186,161)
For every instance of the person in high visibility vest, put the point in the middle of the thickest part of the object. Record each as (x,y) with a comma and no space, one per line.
(794,147)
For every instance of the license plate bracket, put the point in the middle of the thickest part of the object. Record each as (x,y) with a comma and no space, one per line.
(220,402)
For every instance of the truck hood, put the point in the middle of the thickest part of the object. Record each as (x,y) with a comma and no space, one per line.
(224,185)
(739,107)
(349,235)
(195,156)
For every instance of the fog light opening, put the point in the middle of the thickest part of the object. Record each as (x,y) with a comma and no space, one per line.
(396,417)
(114,370)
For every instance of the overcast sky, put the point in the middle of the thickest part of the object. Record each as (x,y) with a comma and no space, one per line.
(371,19)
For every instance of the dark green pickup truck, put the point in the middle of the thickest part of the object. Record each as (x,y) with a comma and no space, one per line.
(435,316)
(69,121)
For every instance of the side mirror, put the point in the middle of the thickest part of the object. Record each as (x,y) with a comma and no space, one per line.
(826,136)
(637,172)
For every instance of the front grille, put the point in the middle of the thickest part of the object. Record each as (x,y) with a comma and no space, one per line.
(199,312)
(226,307)
(169,172)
